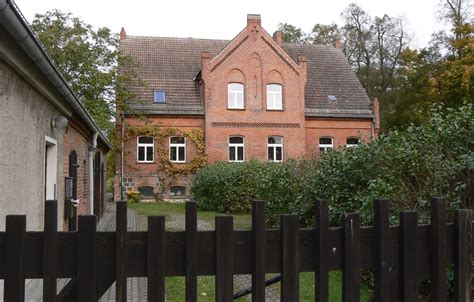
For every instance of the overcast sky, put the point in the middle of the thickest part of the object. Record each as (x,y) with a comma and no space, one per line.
(224,19)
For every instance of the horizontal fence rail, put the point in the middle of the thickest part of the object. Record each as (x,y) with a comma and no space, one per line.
(400,256)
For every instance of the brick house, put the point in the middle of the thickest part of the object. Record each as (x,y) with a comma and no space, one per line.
(50,147)
(253,97)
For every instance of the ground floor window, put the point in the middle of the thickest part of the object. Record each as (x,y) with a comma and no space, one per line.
(177,191)
(325,144)
(352,142)
(275,148)
(236,149)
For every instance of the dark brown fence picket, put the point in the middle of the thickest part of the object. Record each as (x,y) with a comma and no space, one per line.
(86,259)
(408,251)
(14,285)
(191,251)
(50,249)
(121,252)
(381,269)
(321,246)
(438,250)
(351,272)
(290,261)
(258,232)
(462,255)
(224,258)
(156,258)
(400,256)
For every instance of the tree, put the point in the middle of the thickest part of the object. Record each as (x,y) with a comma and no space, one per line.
(87,58)
(326,34)
(291,33)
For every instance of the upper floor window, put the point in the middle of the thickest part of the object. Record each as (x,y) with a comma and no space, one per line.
(275,148)
(274,97)
(235,96)
(325,144)
(145,149)
(236,148)
(159,96)
(178,149)
(352,142)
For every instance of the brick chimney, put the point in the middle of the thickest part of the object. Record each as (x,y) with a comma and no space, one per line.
(254,19)
(277,36)
(338,43)
(123,34)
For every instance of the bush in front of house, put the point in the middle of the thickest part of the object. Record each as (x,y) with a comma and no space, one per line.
(408,166)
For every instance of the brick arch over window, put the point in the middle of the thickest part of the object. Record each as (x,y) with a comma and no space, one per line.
(275,77)
(236,76)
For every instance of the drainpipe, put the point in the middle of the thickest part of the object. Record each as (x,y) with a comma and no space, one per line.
(372,127)
(92,151)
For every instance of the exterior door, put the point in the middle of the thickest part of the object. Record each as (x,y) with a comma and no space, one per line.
(72,220)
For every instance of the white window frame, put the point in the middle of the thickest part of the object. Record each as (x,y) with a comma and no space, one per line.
(352,145)
(233,94)
(272,97)
(146,146)
(177,146)
(274,146)
(326,147)
(236,146)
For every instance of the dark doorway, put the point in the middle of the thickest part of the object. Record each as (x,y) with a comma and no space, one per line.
(70,209)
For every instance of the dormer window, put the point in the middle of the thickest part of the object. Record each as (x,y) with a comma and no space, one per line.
(159,96)
(235,96)
(274,97)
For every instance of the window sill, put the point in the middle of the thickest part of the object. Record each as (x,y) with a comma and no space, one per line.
(145,162)
(236,109)
(178,162)
(275,109)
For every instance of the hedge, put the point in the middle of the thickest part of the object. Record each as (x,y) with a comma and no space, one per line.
(408,166)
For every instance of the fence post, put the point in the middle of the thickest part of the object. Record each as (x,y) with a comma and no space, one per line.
(408,252)
(462,255)
(14,284)
(86,259)
(351,269)
(290,261)
(438,238)
(321,248)
(50,250)
(191,251)
(121,251)
(224,258)
(156,261)
(258,230)
(382,286)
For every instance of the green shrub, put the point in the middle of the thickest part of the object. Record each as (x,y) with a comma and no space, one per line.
(133,196)
(408,166)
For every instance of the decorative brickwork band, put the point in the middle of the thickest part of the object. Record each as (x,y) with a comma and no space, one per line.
(254,125)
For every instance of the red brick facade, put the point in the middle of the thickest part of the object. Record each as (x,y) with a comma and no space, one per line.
(253,59)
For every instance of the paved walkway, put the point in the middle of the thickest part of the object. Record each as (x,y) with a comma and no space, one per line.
(137,287)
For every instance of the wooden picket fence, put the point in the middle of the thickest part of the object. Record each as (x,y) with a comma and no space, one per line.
(400,256)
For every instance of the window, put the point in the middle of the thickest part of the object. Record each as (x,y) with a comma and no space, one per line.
(352,142)
(236,148)
(177,192)
(325,144)
(274,97)
(275,148)
(235,96)
(159,96)
(177,149)
(145,149)
(146,191)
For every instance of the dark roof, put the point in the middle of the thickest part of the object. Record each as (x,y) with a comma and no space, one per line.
(171,64)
